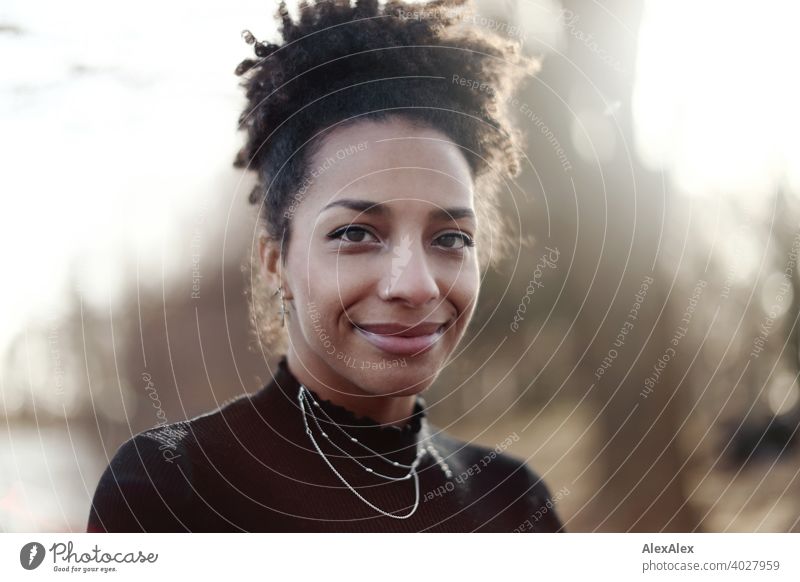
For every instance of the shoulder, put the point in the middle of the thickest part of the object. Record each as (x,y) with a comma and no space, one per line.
(520,489)
(495,460)
(146,485)
(149,484)
(540,503)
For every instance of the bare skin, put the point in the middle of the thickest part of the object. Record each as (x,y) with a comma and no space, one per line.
(389,261)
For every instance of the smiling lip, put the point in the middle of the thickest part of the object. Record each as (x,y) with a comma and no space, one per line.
(400,339)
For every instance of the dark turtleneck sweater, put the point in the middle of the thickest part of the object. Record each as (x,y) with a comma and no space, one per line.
(251,466)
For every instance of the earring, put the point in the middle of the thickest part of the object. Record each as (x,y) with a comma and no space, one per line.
(282,310)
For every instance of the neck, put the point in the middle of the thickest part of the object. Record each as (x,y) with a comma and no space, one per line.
(390,410)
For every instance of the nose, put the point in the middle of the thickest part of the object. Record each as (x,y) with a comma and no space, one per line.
(410,277)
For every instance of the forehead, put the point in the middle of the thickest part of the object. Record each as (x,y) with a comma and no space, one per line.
(389,161)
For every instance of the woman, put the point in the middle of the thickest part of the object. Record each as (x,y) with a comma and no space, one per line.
(378,168)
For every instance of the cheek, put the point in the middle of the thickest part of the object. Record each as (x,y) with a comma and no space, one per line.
(329,282)
(465,289)
(470,276)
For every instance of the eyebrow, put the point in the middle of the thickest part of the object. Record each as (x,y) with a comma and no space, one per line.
(380,209)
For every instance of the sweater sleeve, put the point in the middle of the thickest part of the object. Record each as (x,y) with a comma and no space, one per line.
(145,488)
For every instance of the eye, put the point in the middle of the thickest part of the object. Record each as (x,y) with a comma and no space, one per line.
(456,240)
(350,233)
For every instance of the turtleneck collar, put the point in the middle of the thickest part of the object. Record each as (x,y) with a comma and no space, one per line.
(340,422)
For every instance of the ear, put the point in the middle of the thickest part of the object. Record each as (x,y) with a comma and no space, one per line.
(269,252)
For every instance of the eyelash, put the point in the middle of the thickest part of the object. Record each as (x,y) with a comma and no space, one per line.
(337,234)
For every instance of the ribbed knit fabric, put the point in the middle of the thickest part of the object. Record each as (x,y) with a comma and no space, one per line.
(251,466)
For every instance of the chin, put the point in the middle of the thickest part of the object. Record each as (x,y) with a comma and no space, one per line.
(417,375)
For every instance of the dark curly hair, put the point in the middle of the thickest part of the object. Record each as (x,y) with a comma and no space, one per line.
(340,64)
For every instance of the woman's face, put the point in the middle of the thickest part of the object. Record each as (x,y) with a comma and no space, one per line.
(382,278)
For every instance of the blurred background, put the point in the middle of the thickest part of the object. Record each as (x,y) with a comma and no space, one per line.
(644,347)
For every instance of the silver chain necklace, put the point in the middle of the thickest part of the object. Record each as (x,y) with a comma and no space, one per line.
(304,396)
(420,451)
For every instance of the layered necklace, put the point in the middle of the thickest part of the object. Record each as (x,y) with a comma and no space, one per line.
(308,405)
